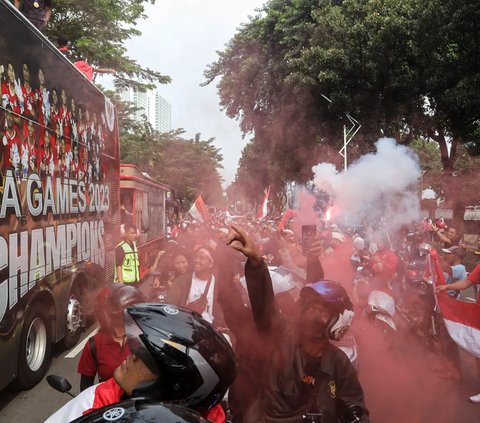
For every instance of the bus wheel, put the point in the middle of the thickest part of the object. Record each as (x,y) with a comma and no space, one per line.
(35,348)
(74,321)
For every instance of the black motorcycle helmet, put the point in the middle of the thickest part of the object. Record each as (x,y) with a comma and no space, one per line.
(122,296)
(194,361)
(113,300)
(141,410)
(336,299)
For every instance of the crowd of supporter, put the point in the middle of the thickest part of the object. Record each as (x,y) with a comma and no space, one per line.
(197,282)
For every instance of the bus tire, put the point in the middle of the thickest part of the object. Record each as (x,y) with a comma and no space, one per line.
(74,316)
(35,352)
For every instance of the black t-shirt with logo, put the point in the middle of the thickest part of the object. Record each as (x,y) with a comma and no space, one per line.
(34,10)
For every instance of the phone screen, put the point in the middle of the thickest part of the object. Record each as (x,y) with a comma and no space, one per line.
(309,233)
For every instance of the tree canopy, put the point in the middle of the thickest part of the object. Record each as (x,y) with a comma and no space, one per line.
(189,166)
(98,30)
(407,69)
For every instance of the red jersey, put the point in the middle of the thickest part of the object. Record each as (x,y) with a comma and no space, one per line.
(388,261)
(12,149)
(75,170)
(10,98)
(109,356)
(46,161)
(28,101)
(32,156)
(42,103)
(64,119)
(54,118)
(85,68)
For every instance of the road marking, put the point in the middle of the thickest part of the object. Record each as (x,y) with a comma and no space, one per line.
(73,353)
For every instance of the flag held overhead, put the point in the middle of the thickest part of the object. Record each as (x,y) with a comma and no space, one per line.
(199,211)
(263,210)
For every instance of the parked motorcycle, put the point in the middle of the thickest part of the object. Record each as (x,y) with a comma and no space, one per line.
(416,306)
(381,309)
(361,286)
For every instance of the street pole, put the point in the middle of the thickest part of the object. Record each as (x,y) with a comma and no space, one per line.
(347,137)
(348,134)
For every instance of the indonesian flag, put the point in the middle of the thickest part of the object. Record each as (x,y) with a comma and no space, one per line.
(199,210)
(263,210)
(461,319)
(289,214)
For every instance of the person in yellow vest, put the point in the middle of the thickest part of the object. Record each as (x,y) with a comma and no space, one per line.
(127,265)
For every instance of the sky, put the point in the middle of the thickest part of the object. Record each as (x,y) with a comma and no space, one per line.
(180,38)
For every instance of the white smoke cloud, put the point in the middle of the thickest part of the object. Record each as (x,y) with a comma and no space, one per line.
(379,187)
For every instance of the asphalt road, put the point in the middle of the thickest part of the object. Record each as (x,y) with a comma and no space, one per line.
(37,404)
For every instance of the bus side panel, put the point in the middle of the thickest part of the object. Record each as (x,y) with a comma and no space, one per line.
(59,182)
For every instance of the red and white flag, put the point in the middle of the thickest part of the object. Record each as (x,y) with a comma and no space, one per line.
(461,319)
(199,211)
(263,210)
(289,214)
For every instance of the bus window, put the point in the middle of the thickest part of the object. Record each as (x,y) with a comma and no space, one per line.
(126,206)
(145,220)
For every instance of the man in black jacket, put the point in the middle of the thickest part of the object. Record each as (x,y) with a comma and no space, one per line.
(307,379)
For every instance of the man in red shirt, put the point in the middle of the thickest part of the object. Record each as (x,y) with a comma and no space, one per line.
(384,264)
(88,70)
(105,351)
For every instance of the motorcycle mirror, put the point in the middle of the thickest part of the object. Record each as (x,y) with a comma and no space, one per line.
(352,414)
(60,384)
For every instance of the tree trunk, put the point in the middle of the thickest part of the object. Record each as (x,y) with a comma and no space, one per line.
(447,160)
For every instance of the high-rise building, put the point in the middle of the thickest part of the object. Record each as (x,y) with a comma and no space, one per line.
(160,112)
(152,105)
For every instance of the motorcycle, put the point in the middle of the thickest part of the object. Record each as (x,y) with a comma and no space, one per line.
(132,409)
(378,306)
(416,307)
(381,310)
(361,286)
(61,384)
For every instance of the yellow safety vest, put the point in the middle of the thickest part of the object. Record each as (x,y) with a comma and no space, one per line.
(130,265)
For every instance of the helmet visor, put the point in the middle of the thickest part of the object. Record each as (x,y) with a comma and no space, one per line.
(136,342)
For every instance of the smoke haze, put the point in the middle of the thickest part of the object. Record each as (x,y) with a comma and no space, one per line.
(379,186)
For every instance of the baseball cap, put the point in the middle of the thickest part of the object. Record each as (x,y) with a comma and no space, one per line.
(458,251)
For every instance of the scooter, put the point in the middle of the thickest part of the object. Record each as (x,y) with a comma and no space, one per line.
(381,309)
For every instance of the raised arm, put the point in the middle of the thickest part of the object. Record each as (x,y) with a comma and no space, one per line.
(315,271)
(259,284)
(456,286)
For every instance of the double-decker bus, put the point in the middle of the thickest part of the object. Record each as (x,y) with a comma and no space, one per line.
(59,198)
(149,205)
